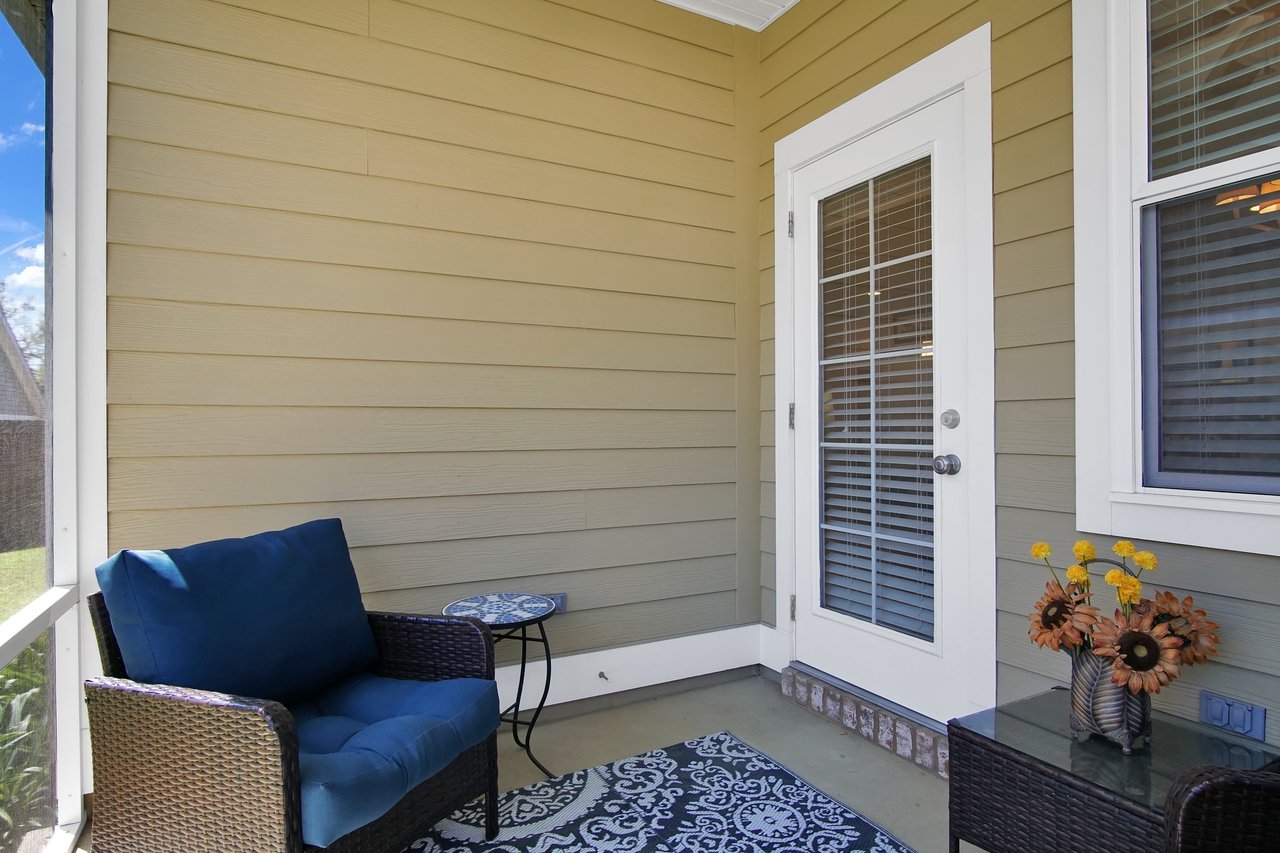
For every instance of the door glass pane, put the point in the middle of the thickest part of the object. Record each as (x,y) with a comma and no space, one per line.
(23,409)
(876,376)
(1213,85)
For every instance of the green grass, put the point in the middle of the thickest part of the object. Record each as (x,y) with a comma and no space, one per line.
(22,579)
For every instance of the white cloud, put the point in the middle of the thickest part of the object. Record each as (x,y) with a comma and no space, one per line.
(35,254)
(28,132)
(24,279)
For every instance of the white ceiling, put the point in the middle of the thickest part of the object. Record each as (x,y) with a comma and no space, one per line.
(752,14)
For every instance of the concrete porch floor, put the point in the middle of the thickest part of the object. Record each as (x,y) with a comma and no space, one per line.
(909,802)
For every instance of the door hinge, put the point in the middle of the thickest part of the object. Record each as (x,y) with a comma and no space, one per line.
(793,608)
(791,416)
(791,223)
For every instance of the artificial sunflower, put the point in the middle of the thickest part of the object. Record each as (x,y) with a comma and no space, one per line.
(1190,625)
(1061,619)
(1124,548)
(1129,590)
(1145,654)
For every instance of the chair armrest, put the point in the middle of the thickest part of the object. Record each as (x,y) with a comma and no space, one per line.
(431,648)
(1212,809)
(181,769)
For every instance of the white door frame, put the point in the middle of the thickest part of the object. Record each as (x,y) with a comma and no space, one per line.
(962,67)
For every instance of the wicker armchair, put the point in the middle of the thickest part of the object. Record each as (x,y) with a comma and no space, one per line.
(1216,809)
(183,769)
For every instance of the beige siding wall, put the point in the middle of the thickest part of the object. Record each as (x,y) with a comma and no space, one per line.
(463,274)
(824,52)
(494,283)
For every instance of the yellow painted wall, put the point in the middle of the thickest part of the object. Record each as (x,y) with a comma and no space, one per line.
(821,54)
(461,273)
(493,282)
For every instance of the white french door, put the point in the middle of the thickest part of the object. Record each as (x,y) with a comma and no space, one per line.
(884,291)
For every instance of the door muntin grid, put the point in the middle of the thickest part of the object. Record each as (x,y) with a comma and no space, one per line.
(875,369)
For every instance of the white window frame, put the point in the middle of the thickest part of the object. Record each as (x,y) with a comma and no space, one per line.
(1110,144)
(76,246)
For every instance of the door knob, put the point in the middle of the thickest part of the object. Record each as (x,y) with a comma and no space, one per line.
(949,464)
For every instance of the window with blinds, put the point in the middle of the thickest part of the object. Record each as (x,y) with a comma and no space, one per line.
(1211,315)
(1213,84)
(876,392)
(1209,259)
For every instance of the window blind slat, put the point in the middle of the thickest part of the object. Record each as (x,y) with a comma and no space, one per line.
(1212,86)
(877,401)
(1211,362)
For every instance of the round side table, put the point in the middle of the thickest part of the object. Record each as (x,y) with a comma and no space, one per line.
(509,616)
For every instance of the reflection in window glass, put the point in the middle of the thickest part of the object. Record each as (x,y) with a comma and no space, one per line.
(1212,339)
(1213,85)
(23,306)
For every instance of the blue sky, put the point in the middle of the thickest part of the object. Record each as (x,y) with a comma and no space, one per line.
(22,128)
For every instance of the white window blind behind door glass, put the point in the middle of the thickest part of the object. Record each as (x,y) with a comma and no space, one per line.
(876,380)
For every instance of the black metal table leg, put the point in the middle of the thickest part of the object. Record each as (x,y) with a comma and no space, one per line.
(512,713)
(509,615)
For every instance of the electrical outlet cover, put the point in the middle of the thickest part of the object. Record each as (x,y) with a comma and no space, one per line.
(1233,715)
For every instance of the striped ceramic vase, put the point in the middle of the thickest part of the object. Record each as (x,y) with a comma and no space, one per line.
(1101,707)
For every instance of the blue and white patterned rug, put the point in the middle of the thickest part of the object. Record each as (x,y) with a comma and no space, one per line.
(711,795)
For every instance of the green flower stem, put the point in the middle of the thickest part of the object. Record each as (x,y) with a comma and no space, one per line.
(1052,572)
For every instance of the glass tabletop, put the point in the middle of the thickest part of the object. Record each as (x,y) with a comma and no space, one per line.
(1038,727)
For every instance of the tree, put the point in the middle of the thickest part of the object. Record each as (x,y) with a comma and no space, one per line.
(30,331)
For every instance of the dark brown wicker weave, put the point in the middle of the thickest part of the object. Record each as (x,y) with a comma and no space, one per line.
(182,769)
(1006,802)
(1214,809)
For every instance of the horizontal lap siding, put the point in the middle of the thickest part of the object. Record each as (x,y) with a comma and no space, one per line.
(461,274)
(828,53)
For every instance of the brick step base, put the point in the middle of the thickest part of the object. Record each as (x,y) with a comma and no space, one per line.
(905,738)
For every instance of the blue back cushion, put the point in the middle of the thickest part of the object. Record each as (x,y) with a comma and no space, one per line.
(274,616)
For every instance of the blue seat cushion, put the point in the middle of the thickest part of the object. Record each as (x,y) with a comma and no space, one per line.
(274,616)
(368,741)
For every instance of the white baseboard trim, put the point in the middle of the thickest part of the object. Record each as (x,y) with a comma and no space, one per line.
(577,676)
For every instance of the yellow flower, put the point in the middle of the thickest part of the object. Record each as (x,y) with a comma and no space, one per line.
(1146,560)
(1078,575)
(1124,548)
(1084,550)
(1116,576)
(1129,590)
(1041,550)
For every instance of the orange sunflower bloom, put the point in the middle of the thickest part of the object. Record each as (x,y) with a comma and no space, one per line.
(1145,653)
(1061,619)
(1192,626)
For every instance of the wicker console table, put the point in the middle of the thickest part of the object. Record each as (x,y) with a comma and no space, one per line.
(1020,784)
